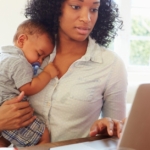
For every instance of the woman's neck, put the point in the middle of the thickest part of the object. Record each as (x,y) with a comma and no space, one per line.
(69,46)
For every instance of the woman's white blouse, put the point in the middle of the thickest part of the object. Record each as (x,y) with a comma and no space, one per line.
(94,84)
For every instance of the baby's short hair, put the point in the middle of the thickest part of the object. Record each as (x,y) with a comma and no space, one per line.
(30,27)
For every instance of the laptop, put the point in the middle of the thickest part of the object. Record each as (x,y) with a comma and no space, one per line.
(136,132)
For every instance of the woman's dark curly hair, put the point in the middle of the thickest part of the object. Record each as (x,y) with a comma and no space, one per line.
(49,11)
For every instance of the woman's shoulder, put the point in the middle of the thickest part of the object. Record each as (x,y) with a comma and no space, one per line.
(102,54)
(106,52)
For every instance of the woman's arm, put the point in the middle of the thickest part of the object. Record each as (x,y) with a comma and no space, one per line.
(114,105)
(15,114)
(114,102)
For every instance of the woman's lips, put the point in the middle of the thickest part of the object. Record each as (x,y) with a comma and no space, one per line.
(82,30)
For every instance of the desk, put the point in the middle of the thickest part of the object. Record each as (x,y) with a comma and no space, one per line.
(62,143)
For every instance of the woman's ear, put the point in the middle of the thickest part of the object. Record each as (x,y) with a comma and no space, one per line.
(21,40)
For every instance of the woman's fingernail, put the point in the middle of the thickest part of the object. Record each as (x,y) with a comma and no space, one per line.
(119,135)
(110,131)
(94,130)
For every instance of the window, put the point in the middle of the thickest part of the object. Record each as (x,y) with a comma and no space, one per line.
(133,43)
(140,33)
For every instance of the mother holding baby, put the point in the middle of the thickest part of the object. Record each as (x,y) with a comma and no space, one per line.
(92,80)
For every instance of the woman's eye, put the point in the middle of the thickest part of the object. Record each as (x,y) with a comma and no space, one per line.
(94,10)
(75,7)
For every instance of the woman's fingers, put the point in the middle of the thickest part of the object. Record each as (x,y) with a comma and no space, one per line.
(23,105)
(15,100)
(107,126)
(124,120)
(17,110)
(16,114)
(27,121)
(26,117)
(21,112)
(118,127)
(17,119)
(93,130)
(102,126)
(24,120)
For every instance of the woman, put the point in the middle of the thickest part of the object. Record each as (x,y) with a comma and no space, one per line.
(92,79)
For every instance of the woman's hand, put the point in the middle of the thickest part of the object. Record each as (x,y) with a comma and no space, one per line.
(15,114)
(108,126)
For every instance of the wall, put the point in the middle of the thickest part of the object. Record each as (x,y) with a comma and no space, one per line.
(11,14)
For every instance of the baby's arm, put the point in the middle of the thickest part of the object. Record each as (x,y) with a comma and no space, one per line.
(40,81)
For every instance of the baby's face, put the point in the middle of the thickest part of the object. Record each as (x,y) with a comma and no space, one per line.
(37,47)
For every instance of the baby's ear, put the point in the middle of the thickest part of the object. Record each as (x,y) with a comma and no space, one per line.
(21,40)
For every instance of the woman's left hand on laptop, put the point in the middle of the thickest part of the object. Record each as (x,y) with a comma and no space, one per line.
(112,127)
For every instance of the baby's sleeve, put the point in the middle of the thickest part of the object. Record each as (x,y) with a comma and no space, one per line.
(22,73)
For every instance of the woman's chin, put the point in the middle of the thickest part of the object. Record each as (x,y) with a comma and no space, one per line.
(80,38)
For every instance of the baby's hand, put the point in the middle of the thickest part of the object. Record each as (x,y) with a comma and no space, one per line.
(51,69)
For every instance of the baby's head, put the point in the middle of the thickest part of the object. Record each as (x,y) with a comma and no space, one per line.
(34,40)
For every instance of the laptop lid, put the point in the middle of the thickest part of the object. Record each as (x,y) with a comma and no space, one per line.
(136,132)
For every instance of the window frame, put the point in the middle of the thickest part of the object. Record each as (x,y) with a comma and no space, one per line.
(122,41)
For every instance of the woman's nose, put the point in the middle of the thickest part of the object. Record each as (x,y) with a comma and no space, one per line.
(85,16)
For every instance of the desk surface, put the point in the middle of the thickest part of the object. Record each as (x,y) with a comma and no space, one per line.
(62,143)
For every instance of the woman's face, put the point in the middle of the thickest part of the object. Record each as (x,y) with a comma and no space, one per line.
(78,18)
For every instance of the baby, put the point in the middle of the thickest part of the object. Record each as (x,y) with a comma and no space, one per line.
(32,43)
